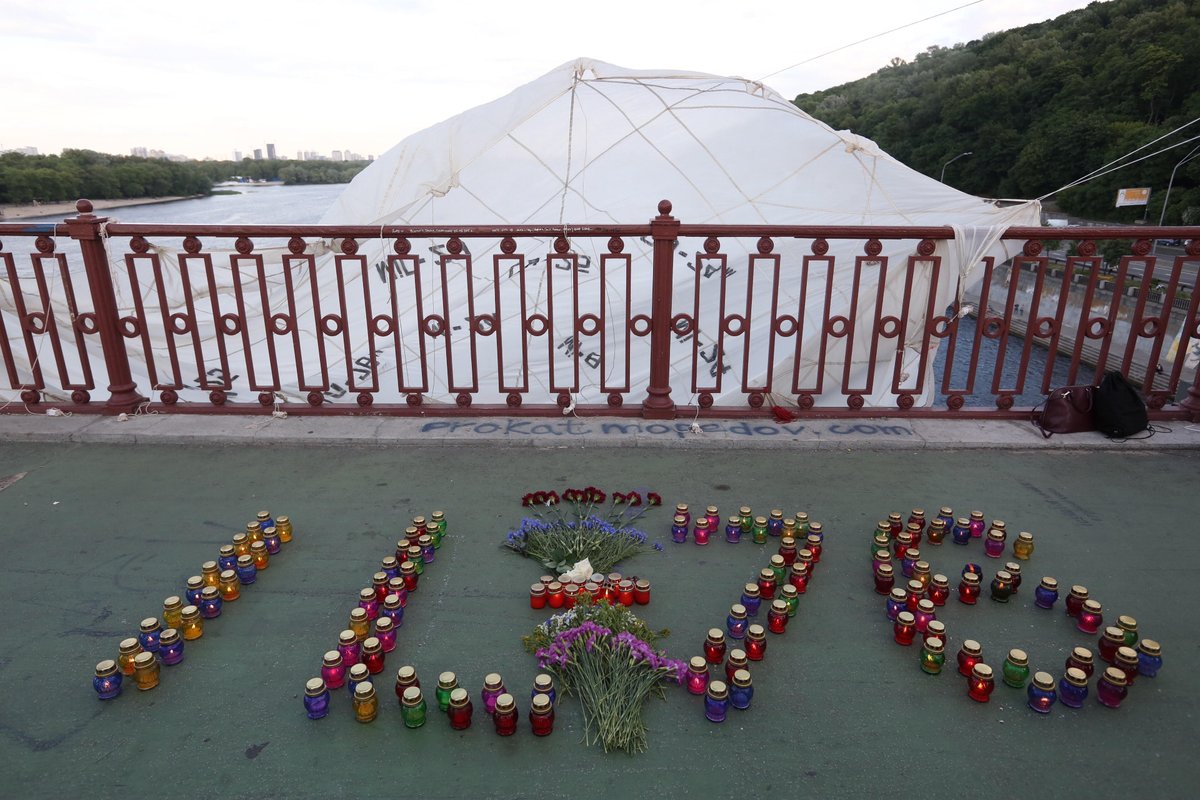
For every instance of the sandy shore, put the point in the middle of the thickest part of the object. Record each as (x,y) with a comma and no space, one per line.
(68,209)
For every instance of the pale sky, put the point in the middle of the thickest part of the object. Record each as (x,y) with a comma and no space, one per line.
(204,79)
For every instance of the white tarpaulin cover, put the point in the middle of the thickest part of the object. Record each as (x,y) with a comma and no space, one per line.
(593,143)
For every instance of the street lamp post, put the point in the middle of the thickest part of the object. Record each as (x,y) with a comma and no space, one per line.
(942,179)
(1194,152)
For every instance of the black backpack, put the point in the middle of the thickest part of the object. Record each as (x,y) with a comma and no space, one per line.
(1118,408)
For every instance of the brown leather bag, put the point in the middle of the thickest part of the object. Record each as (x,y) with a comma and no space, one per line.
(1068,409)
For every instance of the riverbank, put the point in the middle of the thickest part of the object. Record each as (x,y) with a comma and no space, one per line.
(67,209)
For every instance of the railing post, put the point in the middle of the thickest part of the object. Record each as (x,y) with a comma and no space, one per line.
(665,231)
(85,229)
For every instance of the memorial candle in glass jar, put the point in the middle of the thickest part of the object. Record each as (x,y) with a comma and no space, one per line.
(1129,629)
(741,690)
(737,660)
(981,683)
(1111,688)
(1015,671)
(316,698)
(262,558)
(192,625)
(447,683)
(777,616)
(107,682)
(933,655)
(356,675)
(787,550)
(938,589)
(993,546)
(1002,586)
(895,525)
(937,532)
(247,573)
(1090,618)
(733,530)
(541,715)
(716,701)
(798,577)
(1073,688)
(759,530)
(210,603)
(712,517)
(714,646)
(1041,692)
(976,525)
(679,529)
(970,654)
(145,671)
(493,687)
(896,602)
(1014,569)
(1023,546)
(935,628)
(505,715)
(1082,660)
(412,707)
(775,522)
(543,683)
(1110,639)
(961,532)
(735,622)
(924,614)
(195,585)
(150,634)
(348,645)
(459,709)
(1046,593)
(756,643)
(333,671)
(1075,600)
(702,531)
(885,579)
(173,612)
(171,647)
(1126,660)
(904,629)
(697,675)
(1149,657)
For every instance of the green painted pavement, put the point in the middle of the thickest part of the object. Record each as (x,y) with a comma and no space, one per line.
(96,536)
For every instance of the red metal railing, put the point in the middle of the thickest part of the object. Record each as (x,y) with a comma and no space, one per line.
(56,319)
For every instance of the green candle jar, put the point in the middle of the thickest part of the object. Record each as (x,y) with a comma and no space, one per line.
(447,683)
(933,656)
(759,530)
(1016,669)
(412,707)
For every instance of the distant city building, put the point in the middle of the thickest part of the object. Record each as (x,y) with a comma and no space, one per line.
(270,151)
(258,154)
(237,155)
(337,155)
(25,151)
(140,152)
(299,155)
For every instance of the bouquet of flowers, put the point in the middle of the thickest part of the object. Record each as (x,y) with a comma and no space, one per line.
(569,528)
(610,667)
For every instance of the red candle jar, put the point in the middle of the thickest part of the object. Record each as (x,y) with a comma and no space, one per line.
(885,579)
(970,654)
(981,683)
(804,556)
(914,531)
(1081,659)
(1111,688)
(546,580)
(904,630)
(460,709)
(737,660)
(702,531)
(756,642)
(506,715)
(379,582)
(406,676)
(766,583)
(777,617)
(641,592)
(916,593)
(1090,619)
(935,628)
(570,595)
(813,543)
(1076,599)
(1126,660)
(880,557)
(625,592)
(924,615)
(901,544)
(1014,569)
(798,577)
(968,589)
(592,588)
(541,715)
(554,595)
(372,654)
(938,590)
(787,550)
(697,675)
(713,517)
(917,517)
(895,526)
(1110,640)
(611,583)
(681,510)
(714,646)
(537,596)
(408,571)
(402,546)
(333,671)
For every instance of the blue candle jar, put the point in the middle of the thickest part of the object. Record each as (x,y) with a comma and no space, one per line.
(107,682)
(775,522)
(171,647)
(735,623)
(751,599)
(679,529)
(359,673)
(946,515)
(1041,692)
(316,698)
(210,603)
(195,585)
(1046,593)
(392,607)
(716,701)
(227,557)
(733,530)
(247,573)
(741,692)
(896,602)
(961,532)
(1073,688)
(1149,657)
(150,634)
(264,520)
(271,539)
(390,567)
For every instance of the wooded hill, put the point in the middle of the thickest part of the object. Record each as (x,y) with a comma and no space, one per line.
(1043,105)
